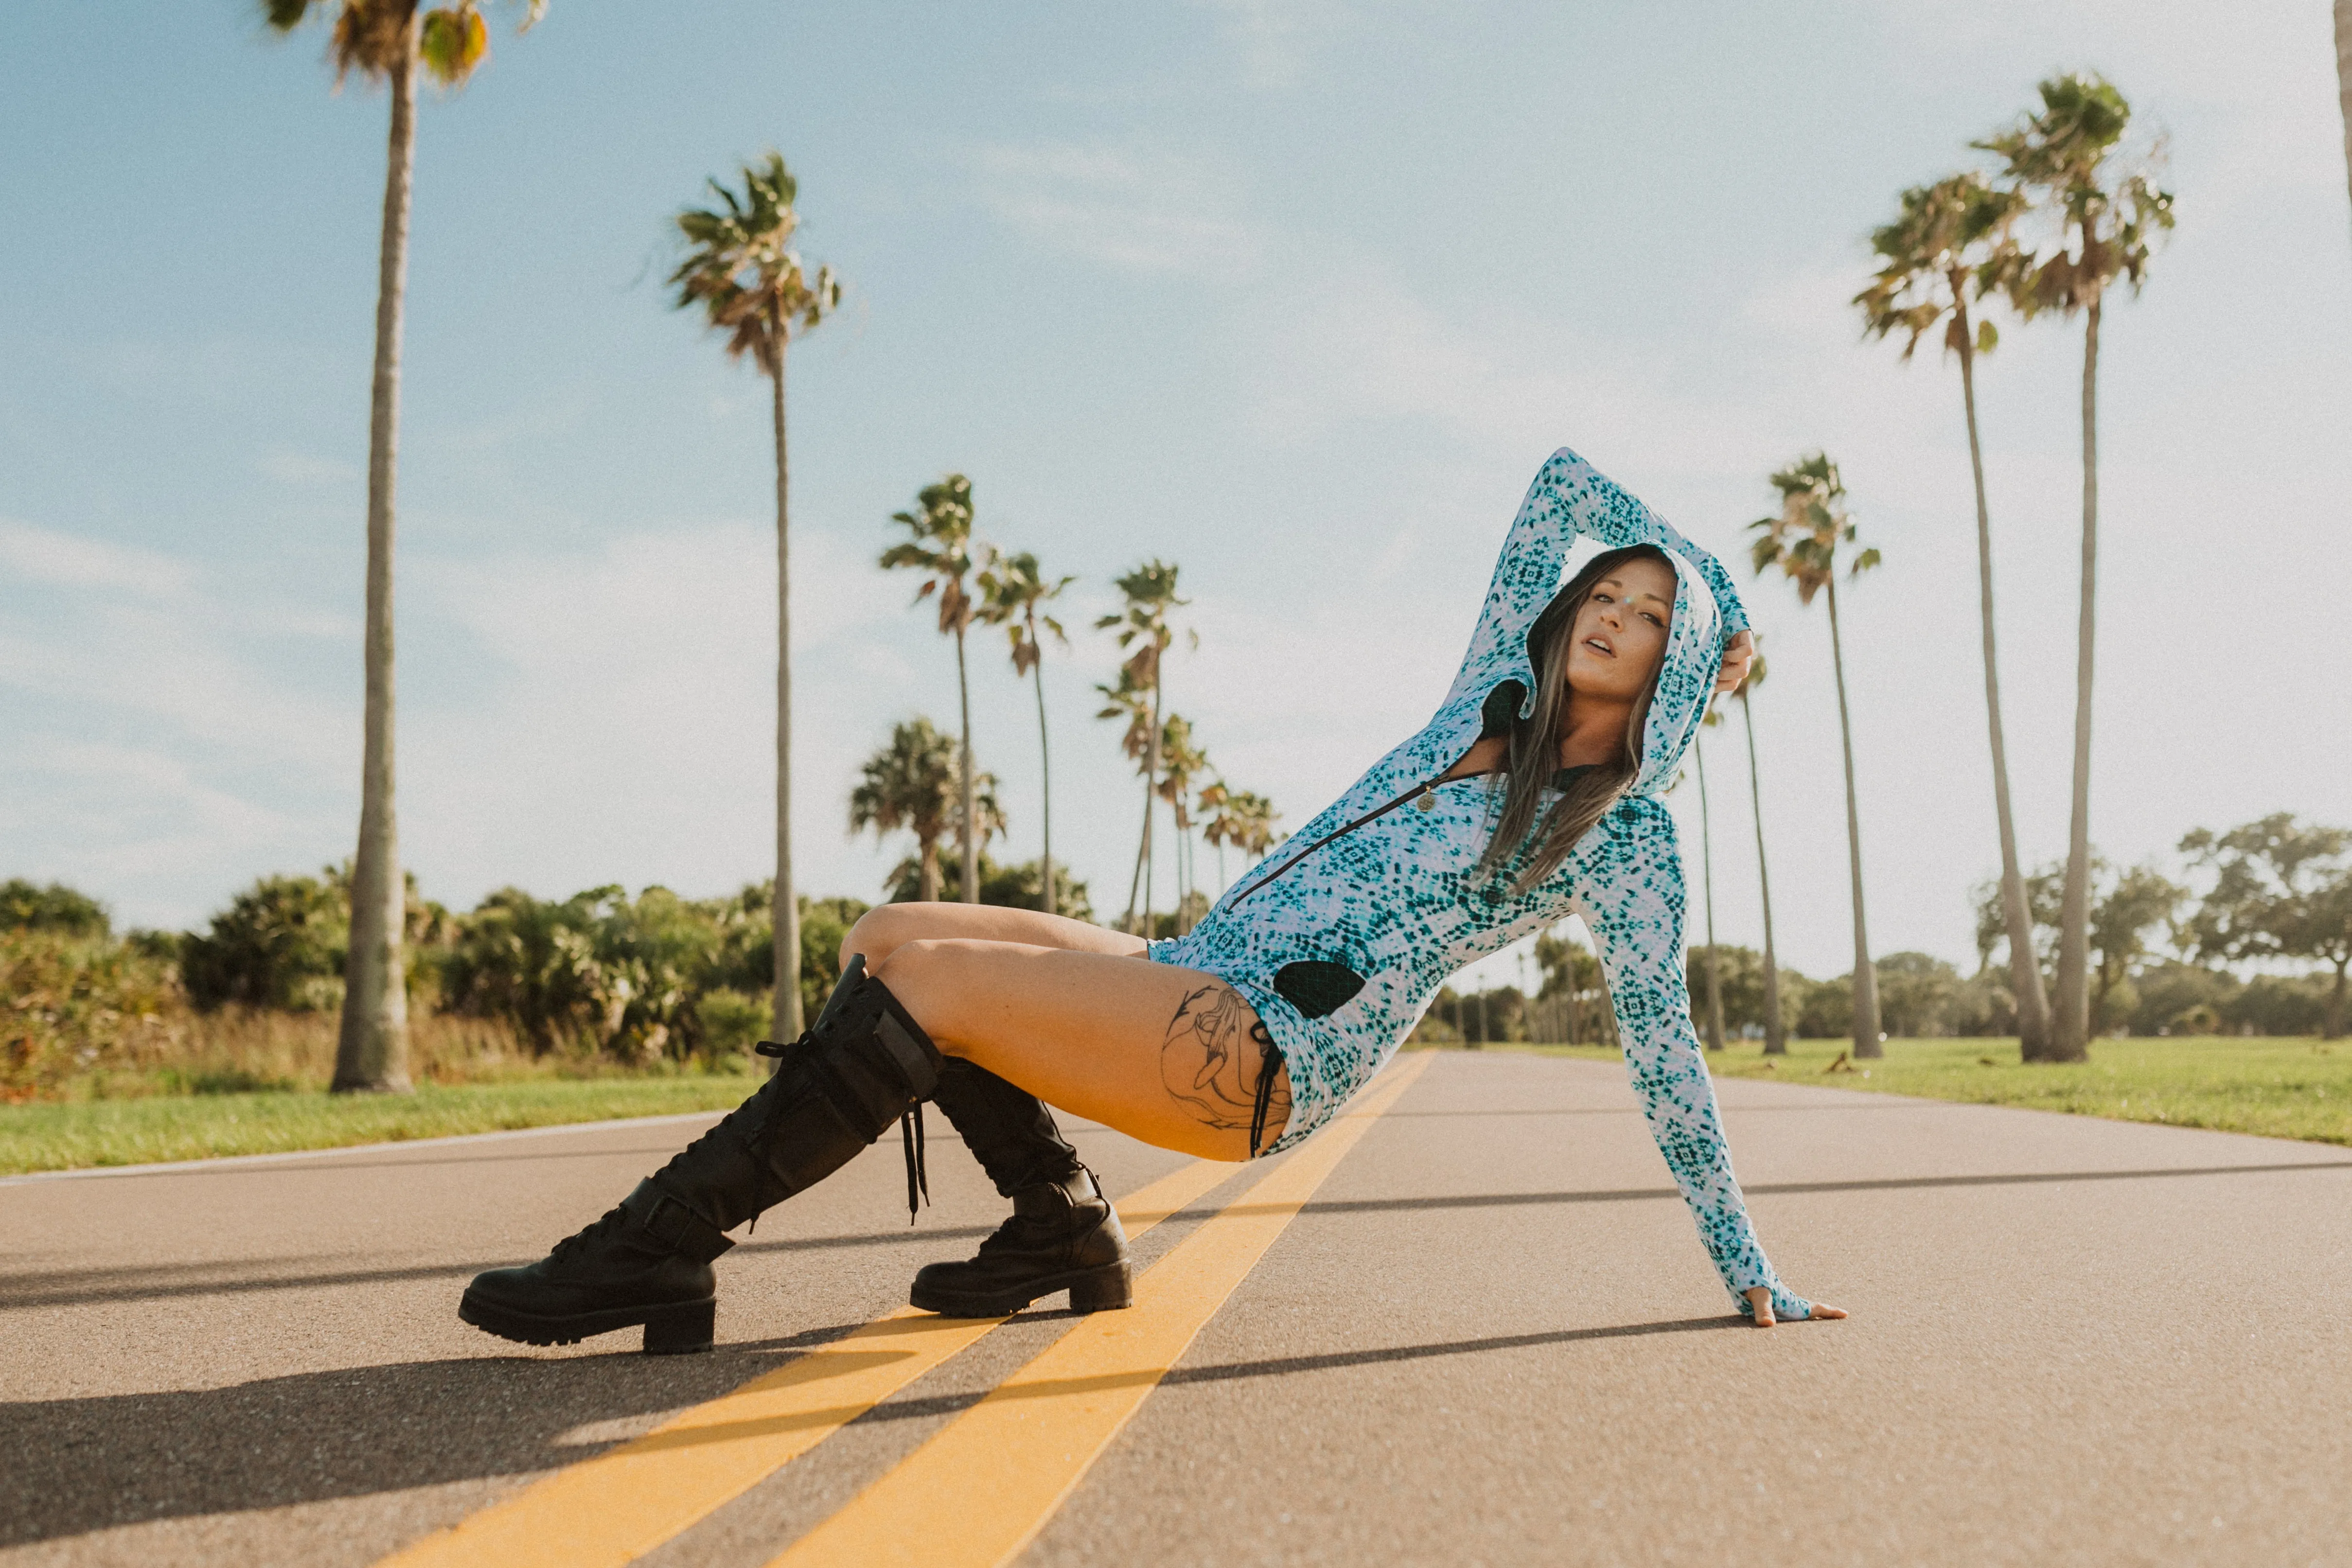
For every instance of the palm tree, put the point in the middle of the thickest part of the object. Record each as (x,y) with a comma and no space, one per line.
(1213,799)
(2343,79)
(1239,818)
(2109,211)
(942,545)
(1144,632)
(385,40)
(1802,540)
(1011,588)
(1180,762)
(1129,700)
(1950,236)
(1257,817)
(1706,882)
(915,783)
(740,268)
(1776,1029)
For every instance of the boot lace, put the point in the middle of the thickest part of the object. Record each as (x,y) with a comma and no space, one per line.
(596,1229)
(910,1133)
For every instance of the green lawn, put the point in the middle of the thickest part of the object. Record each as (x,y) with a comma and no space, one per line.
(2277,1088)
(46,1135)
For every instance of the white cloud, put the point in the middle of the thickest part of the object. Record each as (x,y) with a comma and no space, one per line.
(32,554)
(1275,37)
(1137,211)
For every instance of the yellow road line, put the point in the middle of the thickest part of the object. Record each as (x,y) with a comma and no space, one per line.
(981,1488)
(604,1511)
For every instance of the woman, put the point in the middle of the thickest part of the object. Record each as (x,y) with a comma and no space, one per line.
(1532,795)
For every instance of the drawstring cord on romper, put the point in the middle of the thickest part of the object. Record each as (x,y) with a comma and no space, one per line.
(1268,1062)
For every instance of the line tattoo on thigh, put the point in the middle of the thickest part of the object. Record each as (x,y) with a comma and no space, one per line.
(1215,1049)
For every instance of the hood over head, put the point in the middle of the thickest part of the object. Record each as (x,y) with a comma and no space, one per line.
(1686,673)
(1568,499)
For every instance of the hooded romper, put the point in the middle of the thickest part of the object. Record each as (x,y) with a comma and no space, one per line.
(1340,938)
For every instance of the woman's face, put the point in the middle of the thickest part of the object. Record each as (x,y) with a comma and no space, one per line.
(1620,629)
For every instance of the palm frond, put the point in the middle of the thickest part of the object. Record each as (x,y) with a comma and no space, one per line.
(740,268)
(371,36)
(453,42)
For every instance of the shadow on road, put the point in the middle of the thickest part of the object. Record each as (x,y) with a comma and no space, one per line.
(1046,1388)
(80,1465)
(83,1286)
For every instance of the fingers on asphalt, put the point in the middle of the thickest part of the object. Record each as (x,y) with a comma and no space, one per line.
(991,1478)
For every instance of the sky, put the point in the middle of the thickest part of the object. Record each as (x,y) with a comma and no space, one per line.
(1297,293)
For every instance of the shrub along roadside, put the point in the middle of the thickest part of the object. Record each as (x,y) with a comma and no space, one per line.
(75,1134)
(519,987)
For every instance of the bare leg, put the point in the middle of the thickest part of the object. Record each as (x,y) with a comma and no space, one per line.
(880,931)
(1170,1056)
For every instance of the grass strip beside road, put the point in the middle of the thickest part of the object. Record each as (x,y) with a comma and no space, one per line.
(53,1135)
(981,1488)
(2274,1088)
(607,1510)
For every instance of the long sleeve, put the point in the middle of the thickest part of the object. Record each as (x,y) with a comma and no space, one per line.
(1634,898)
(1568,497)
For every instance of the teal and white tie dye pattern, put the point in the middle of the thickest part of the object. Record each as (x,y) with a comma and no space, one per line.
(1399,899)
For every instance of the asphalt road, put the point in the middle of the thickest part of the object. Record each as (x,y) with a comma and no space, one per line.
(1484,1333)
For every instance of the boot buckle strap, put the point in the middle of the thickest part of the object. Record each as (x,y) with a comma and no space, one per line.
(674,1224)
(918,1065)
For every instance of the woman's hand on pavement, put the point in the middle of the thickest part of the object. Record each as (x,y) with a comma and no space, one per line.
(1760,1297)
(1737,654)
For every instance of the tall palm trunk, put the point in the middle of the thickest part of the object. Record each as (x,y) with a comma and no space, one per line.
(2070,1030)
(785,915)
(1135,878)
(1866,977)
(1706,879)
(1045,782)
(1144,867)
(371,1046)
(970,826)
(927,872)
(2024,968)
(2343,79)
(1775,1031)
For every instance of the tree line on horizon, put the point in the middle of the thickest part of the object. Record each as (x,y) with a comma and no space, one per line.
(2253,933)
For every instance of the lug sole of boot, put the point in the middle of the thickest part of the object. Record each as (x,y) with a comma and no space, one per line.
(672,1328)
(1105,1288)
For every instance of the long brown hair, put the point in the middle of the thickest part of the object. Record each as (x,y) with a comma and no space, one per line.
(1532,759)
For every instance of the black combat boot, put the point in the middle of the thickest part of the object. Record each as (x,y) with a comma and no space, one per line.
(1062,1236)
(864,1064)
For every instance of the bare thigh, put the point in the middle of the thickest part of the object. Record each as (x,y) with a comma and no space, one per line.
(1170,1056)
(880,931)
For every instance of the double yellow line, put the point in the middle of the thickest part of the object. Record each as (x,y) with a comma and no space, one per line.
(982,1487)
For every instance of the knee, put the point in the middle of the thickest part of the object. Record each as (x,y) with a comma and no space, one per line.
(902,960)
(877,934)
(923,973)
